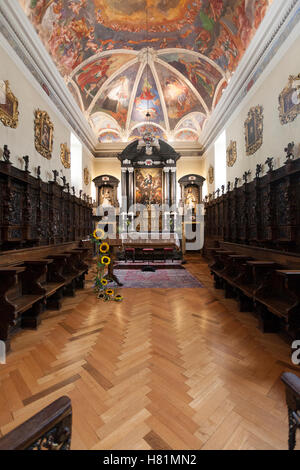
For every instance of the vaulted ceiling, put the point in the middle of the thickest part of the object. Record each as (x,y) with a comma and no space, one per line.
(117,68)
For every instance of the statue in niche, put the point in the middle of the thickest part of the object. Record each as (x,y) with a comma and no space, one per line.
(106,196)
(191,197)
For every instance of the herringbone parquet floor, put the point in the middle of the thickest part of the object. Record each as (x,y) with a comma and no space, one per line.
(164,369)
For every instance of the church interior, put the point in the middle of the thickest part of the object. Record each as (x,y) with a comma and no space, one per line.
(149,225)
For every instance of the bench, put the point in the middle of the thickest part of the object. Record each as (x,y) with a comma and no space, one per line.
(29,286)
(49,429)
(266,286)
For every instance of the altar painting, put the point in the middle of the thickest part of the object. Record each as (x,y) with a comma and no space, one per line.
(148,186)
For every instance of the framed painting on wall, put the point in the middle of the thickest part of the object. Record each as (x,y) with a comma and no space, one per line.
(289,102)
(65,155)
(43,134)
(211,174)
(86,176)
(148,186)
(9,113)
(254,130)
(231,153)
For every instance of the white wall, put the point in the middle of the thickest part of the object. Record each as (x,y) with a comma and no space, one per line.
(20,141)
(275,135)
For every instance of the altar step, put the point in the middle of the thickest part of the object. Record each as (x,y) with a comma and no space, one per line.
(176,264)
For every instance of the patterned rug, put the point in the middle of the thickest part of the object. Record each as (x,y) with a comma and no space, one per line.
(161,278)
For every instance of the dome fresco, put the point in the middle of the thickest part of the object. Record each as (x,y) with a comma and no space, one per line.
(117,71)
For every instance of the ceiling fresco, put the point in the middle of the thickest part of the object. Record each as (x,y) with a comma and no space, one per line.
(99,48)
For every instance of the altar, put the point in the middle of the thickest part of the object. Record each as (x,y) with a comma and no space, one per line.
(148,178)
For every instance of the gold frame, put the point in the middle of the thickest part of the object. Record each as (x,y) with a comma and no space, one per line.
(211,174)
(256,116)
(290,115)
(86,176)
(65,155)
(41,118)
(231,153)
(7,119)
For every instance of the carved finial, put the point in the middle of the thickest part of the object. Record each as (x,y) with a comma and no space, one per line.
(258,171)
(223,189)
(80,193)
(64,180)
(270,164)
(73,190)
(206,199)
(55,175)
(246,176)
(289,150)
(236,182)
(218,192)
(68,187)
(6,154)
(26,160)
(228,186)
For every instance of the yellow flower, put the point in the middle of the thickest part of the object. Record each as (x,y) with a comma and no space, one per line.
(118,297)
(102,233)
(104,282)
(109,291)
(104,247)
(105,260)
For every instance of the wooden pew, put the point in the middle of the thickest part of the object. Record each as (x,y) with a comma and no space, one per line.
(30,285)
(266,286)
(292,394)
(50,429)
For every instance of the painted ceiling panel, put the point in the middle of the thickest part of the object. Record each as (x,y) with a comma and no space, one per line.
(108,137)
(90,41)
(138,132)
(90,77)
(147,99)
(115,97)
(178,96)
(203,75)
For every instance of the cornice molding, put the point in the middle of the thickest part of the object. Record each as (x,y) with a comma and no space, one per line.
(281,18)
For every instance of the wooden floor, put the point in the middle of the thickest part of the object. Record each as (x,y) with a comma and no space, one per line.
(164,369)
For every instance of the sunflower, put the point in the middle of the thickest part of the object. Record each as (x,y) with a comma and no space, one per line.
(102,233)
(105,260)
(109,291)
(118,298)
(104,247)
(104,282)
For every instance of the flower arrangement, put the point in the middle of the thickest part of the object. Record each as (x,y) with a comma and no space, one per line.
(103,261)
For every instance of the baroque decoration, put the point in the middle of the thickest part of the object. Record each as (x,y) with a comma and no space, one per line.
(231,153)
(65,155)
(86,176)
(211,174)
(43,133)
(254,130)
(9,114)
(99,47)
(289,101)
